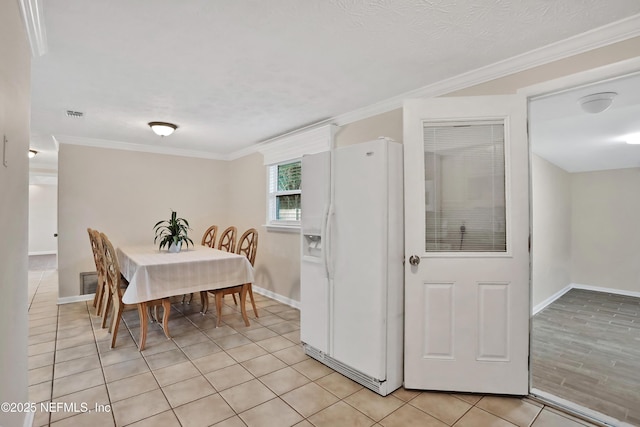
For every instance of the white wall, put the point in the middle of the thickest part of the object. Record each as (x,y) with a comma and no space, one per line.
(387,124)
(15,74)
(551,218)
(606,231)
(277,265)
(585,229)
(123,194)
(43,219)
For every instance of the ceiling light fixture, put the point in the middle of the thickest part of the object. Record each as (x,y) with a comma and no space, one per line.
(32,153)
(597,102)
(162,128)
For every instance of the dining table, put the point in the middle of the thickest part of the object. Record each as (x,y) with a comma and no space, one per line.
(155,275)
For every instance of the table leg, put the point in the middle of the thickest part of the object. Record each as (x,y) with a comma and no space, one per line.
(243,299)
(142,313)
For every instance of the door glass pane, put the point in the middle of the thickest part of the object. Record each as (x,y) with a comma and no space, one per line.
(464,187)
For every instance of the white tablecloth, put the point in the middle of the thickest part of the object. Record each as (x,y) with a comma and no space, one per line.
(154,274)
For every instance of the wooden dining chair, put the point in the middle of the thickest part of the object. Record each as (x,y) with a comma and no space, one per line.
(115,282)
(96,247)
(228,239)
(209,237)
(226,243)
(247,246)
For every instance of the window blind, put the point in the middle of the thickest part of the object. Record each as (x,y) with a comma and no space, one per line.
(464,187)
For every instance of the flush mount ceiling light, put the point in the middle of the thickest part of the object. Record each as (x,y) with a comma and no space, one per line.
(32,153)
(597,102)
(162,128)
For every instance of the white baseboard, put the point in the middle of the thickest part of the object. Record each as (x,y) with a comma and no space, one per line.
(43,253)
(575,409)
(75,298)
(607,290)
(541,306)
(267,293)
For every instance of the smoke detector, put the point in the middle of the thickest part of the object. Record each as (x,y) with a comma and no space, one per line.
(75,114)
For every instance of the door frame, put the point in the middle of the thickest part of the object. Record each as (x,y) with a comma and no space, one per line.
(540,90)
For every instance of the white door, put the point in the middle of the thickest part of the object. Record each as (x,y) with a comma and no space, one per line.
(466,244)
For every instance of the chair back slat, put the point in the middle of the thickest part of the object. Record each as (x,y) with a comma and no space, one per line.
(96,246)
(228,239)
(209,237)
(248,244)
(112,267)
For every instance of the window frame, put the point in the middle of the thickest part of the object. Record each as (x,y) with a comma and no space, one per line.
(273,194)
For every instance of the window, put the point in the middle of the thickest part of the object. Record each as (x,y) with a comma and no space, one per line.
(282,160)
(465,187)
(284,193)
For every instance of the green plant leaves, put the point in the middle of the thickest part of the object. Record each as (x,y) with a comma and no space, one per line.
(174,230)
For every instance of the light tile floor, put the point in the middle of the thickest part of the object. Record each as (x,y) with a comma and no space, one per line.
(228,376)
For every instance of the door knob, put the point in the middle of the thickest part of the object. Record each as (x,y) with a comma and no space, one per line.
(414,260)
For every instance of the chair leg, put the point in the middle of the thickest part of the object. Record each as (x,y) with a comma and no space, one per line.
(243,302)
(234,299)
(153,313)
(218,308)
(253,303)
(106,308)
(166,306)
(114,309)
(98,295)
(204,299)
(115,323)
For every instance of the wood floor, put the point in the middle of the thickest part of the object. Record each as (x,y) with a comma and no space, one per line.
(586,349)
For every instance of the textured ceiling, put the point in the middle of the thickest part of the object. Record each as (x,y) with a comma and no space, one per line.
(233,73)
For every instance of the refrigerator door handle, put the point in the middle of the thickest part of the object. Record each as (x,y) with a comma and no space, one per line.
(328,256)
(323,237)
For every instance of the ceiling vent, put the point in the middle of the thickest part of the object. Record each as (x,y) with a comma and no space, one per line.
(76,114)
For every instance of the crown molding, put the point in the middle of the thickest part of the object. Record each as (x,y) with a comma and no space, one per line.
(241,153)
(593,39)
(128,146)
(295,145)
(33,16)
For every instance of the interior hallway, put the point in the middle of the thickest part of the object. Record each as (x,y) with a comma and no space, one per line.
(228,376)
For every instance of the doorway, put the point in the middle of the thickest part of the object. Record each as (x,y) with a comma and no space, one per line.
(585,336)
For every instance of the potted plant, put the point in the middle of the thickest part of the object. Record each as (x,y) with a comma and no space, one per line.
(172,233)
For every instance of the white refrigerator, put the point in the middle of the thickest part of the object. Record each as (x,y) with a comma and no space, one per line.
(351,275)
